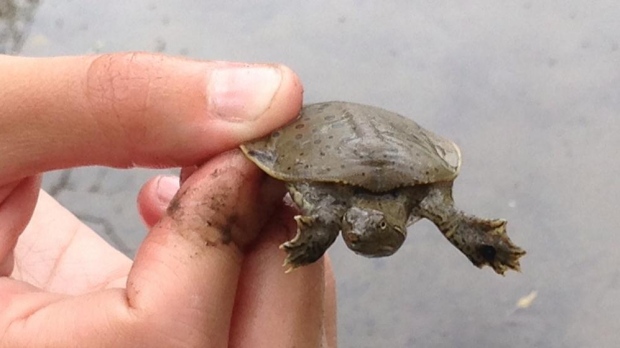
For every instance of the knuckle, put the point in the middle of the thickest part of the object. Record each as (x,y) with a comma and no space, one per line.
(117,89)
(120,79)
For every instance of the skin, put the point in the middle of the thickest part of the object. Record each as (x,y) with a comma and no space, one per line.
(483,241)
(375,224)
(346,165)
(372,225)
(207,275)
(318,225)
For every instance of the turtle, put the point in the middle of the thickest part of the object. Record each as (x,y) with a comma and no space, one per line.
(369,173)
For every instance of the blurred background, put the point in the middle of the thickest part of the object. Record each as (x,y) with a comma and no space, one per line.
(530,90)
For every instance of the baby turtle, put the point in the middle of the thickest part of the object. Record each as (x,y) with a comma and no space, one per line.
(370,173)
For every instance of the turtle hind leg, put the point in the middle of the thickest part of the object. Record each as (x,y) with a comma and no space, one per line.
(313,238)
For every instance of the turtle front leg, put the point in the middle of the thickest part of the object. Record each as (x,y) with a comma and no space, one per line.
(313,238)
(483,241)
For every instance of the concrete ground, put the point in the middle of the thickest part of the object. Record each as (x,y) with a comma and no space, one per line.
(530,90)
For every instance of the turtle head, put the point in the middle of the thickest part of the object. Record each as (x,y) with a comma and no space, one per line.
(372,233)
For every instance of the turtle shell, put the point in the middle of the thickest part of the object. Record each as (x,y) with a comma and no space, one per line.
(355,144)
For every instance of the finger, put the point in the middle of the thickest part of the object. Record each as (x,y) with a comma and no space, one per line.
(17,201)
(155,196)
(153,200)
(330,327)
(132,109)
(275,309)
(186,172)
(190,261)
(181,288)
(59,253)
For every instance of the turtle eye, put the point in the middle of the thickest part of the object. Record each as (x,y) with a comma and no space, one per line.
(382,225)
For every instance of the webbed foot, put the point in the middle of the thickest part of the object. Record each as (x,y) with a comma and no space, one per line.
(486,243)
(310,243)
(495,249)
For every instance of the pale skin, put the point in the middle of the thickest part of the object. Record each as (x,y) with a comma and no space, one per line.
(206,275)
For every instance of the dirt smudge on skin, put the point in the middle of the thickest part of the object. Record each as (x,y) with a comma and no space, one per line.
(174,206)
(224,206)
(209,219)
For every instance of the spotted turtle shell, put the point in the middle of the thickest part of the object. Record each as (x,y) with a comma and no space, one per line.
(355,144)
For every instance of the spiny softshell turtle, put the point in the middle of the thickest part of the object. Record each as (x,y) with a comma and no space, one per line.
(370,173)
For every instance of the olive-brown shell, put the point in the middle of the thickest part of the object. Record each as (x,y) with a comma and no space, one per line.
(355,144)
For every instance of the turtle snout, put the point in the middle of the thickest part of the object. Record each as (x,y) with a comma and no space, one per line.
(366,233)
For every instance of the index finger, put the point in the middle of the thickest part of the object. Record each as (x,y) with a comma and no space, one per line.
(189,264)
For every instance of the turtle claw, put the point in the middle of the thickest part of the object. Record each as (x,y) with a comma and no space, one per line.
(486,243)
(290,267)
(299,254)
(507,258)
(309,244)
(295,243)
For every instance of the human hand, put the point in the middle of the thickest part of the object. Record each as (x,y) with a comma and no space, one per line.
(208,273)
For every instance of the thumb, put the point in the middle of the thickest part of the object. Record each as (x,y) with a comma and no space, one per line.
(130,109)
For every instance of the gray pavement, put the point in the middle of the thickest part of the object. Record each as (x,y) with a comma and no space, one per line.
(530,90)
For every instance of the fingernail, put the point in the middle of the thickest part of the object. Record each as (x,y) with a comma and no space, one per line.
(167,187)
(243,93)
